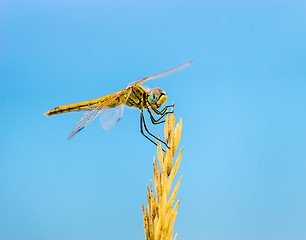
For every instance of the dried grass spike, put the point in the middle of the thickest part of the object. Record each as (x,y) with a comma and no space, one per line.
(160,217)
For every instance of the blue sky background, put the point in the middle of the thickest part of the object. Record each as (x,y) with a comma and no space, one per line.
(242,102)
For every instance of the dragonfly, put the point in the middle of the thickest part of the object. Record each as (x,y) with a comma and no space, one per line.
(110,107)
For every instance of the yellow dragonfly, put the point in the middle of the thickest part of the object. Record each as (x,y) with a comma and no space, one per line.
(111,106)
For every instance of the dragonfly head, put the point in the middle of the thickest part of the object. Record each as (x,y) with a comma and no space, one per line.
(157,97)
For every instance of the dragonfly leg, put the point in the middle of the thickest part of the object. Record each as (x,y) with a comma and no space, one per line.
(143,124)
(162,112)
(158,121)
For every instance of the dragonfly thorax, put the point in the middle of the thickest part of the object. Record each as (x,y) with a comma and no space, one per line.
(157,97)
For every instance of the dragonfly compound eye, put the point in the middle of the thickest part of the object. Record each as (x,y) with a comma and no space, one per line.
(157,97)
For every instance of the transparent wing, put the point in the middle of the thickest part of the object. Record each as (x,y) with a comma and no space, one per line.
(85,119)
(112,102)
(109,117)
(141,81)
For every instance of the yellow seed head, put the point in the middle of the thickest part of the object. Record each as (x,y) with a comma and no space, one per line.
(160,216)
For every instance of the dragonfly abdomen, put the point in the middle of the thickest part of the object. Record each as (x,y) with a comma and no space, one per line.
(84,106)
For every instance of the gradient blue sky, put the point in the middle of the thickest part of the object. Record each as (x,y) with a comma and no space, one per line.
(242,102)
